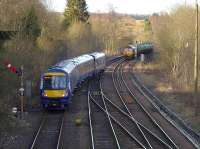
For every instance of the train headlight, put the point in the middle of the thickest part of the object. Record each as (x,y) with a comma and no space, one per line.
(64,94)
(44,94)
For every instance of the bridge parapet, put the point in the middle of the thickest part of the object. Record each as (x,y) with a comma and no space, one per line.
(6,35)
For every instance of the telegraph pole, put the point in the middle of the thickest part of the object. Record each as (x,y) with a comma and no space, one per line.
(196,55)
(22,91)
(196,51)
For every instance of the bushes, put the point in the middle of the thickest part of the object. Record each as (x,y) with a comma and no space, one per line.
(36,45)
(111,31)
(42,40)
(175,37)
(79,38)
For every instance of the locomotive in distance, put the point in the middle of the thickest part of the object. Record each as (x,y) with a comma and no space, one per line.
(59,82)
(137,49)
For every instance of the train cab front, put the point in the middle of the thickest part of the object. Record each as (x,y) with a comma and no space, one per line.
(54,91)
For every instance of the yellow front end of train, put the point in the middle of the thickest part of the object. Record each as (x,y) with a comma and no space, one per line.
(53,90)
(54,93)
(128,52)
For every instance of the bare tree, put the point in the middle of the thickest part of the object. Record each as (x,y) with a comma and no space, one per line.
(174,35)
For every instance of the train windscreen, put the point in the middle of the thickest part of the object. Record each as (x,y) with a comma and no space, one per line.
(54,82)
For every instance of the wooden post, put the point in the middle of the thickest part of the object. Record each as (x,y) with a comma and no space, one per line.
(22,91)
(196,52)
(196,58)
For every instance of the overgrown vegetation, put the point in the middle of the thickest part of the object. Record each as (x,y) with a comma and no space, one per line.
(35,46)
(174,35)
(112,31)
(45,37)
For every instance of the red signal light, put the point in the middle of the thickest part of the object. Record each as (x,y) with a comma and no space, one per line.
(13,69)
(10,67)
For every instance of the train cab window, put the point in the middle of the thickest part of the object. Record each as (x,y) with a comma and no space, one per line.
(41,83)
(55,82)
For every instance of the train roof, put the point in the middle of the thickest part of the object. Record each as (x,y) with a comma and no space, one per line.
(145,45)
(82,58)
(132,46)
(68,65)
(98,54)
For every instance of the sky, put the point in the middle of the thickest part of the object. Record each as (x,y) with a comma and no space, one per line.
(125,6)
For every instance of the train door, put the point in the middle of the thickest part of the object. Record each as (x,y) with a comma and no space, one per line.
(94,65)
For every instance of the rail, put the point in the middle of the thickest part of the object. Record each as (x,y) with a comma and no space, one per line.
(48,125)
(167,113)
(170,141)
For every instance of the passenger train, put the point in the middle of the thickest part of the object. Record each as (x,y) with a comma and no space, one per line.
(58,83)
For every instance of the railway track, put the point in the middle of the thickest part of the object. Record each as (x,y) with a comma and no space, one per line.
(138,112)
(145,114)
(49,132)
(151,138)
(101,128)
(124,127)
(125,124)
(139,91)
(120,125)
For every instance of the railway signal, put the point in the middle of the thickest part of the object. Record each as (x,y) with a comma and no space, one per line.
(12,68)
(19,72)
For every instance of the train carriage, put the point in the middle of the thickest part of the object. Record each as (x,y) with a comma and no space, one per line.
(84,65)
(55,89)
(59,82)
(99,61)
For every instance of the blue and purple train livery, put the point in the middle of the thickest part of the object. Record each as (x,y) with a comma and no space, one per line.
(58,83)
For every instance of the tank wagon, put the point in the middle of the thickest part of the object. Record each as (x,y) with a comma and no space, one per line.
(59,82)
(138,49)
(144,48)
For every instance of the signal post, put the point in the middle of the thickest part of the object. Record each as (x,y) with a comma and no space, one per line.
(22,91)
(20,73)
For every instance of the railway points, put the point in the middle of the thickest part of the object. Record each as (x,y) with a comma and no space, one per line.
(113,116)
(147,122)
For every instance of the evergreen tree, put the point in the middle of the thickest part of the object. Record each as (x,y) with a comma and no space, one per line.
(75,11)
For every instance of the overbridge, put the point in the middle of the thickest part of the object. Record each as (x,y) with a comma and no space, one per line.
(6,35)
